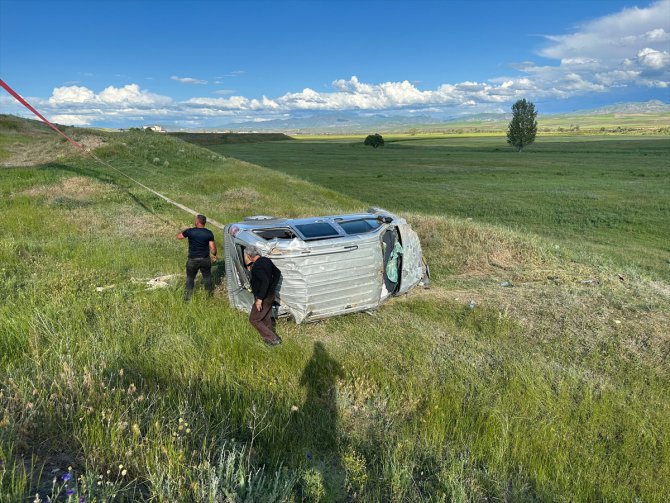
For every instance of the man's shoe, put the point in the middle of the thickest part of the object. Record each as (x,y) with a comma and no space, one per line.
(274,342)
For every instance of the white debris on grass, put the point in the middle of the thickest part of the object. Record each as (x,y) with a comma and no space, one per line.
(152,283)
(158,282)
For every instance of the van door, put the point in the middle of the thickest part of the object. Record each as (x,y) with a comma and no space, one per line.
(237,278)
(413,268)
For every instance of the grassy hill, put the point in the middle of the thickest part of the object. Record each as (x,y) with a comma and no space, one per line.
(552,389)
(603,195)
(206,139)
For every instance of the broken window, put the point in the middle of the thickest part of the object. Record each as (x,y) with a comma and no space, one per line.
(318,230)
(276,233)
(359,226)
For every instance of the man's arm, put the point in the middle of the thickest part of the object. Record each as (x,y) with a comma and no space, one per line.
(182,234)
(212,250)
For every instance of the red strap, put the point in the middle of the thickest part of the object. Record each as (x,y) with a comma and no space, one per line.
(29,107)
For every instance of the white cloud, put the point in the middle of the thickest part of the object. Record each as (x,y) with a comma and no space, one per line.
(71,94)
(656,60)
(71,120)
(131,94)
(234,73)
(614,36)
(188,80)
(625,49)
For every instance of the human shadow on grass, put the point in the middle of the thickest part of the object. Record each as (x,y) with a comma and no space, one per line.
(316,428)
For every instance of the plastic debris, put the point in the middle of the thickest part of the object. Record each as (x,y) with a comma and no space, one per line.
(158,282)
(506,284)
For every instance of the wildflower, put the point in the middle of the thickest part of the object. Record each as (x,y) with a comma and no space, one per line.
(69,492)
(131,388)
(120,467)
(188,430)
(123,472)
(294,408)
(66,477)
(82,499)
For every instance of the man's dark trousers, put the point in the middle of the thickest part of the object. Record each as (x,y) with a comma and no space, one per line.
(262,320)
(193,265)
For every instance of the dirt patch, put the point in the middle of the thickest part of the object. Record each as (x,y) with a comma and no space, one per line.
(78,188)
(45,150)
(589,316)
(242,194)
(241,200)
(34,153)
(90,142)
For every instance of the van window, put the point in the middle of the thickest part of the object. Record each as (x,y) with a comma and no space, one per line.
(317,230)
(359,226)
(276,233)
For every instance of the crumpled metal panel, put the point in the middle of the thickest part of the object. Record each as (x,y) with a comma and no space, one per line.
(324,278)
(413,269)
(333,280)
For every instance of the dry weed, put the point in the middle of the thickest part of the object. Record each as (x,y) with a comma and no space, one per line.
(79,188)
(24,154)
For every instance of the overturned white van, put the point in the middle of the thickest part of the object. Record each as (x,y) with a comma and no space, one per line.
(329,265)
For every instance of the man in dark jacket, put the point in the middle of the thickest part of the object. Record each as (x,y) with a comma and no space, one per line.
(264,279)
(201,246)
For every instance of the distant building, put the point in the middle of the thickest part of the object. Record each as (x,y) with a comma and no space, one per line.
(155,129)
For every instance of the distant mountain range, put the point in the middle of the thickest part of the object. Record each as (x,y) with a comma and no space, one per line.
(646,107)
(357,122)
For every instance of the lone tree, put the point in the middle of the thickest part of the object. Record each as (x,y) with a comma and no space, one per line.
(523,126)
(374,140)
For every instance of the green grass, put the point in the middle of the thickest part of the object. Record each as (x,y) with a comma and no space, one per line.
(600,195)
(552,390)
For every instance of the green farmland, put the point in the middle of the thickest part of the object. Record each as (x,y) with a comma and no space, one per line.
(526,372)
(602,195)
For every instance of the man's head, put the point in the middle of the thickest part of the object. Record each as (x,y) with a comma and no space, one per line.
(252,253)
(200,220)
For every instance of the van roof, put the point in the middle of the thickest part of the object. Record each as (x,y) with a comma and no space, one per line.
(313,228)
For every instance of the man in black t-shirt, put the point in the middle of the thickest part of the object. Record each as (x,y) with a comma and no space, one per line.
(200,246)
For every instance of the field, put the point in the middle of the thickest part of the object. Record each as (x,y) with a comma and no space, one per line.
(594,195)
(553,389)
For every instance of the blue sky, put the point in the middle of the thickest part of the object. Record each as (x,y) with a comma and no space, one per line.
(207,63)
